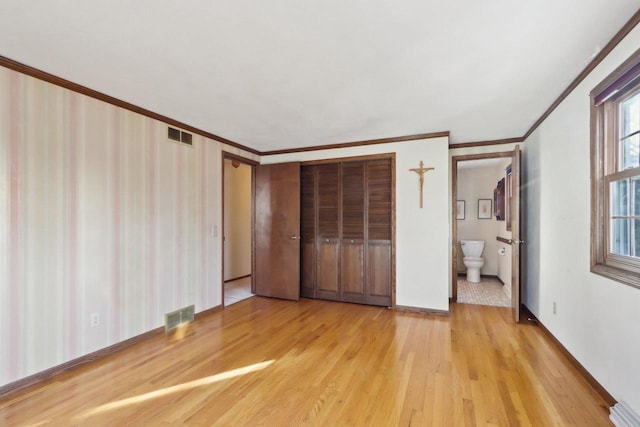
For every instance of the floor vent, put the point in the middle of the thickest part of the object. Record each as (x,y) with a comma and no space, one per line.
(176,318)
(180,136)
(622,415)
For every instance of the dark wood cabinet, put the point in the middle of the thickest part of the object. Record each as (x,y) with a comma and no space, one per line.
(347,231)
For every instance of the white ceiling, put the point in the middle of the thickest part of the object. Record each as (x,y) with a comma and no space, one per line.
(290,73)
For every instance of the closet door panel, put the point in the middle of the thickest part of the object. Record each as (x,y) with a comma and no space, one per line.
(379,199)
(353,232)
(352,272)
(379,222)
(328,270)
(307,230)
(353,197)
(328,177)
(307,203)
(327,243)
(307,288)
(378,290)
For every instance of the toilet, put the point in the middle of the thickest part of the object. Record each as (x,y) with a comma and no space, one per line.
(472,251)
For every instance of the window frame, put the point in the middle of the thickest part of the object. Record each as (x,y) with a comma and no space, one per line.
(605,100)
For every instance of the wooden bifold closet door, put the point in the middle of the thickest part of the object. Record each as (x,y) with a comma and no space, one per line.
(346,231)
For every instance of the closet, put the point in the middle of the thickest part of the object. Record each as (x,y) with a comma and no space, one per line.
(346,230)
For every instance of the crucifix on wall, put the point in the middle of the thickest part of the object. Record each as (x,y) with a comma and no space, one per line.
(421,171)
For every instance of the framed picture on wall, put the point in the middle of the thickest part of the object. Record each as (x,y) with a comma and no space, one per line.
(460,209)
(484,209)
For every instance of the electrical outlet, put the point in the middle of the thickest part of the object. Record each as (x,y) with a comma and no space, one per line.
(95,319)
(554,307)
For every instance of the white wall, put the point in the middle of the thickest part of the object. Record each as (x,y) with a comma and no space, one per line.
(422,235)
(99,213)
(597,318)
(237,220)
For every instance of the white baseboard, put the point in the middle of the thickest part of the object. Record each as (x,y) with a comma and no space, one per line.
(622,415)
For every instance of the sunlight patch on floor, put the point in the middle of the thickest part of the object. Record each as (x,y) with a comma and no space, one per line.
(175,389)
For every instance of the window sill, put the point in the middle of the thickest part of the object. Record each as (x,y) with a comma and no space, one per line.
(618,274)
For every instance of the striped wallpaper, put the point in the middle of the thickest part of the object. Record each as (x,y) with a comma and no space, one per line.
(99,213)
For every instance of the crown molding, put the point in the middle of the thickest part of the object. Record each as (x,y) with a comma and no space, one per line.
(360,143)
(488,142)
(58,81)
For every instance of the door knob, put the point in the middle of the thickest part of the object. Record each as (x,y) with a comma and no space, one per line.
(295,237)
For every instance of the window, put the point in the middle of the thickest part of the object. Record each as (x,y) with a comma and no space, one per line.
(615,174)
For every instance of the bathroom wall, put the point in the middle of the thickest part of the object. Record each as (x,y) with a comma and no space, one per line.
(476,183)
(237,220)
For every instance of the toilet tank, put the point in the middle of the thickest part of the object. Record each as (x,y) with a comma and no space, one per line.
(472,248)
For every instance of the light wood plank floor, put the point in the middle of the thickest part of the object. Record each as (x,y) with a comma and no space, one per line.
(278,363)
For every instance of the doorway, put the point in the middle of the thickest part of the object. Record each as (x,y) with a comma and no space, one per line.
(485,200)
(237,241)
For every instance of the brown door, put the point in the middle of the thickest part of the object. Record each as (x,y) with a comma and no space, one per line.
(515,233)
(277,230)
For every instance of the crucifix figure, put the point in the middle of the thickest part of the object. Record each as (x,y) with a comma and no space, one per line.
(420,171)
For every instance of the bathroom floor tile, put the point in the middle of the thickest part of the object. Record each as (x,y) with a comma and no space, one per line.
(488,292)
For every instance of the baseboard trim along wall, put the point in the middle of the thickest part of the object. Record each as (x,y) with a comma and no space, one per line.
(237,278)
(574,362)
(19,385)
(421,310)
(621,415)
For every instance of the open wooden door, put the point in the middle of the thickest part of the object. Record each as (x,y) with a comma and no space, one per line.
(515,233)
(277,230)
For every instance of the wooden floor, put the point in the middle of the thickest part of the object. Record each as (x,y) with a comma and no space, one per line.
(278,363)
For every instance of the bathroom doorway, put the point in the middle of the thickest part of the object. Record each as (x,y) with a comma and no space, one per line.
(485,200)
